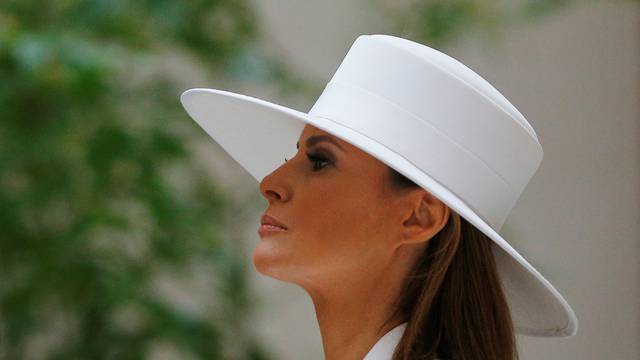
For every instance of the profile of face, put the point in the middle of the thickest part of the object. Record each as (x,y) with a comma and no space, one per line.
(345,222)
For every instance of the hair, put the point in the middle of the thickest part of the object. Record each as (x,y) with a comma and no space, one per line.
(453,299)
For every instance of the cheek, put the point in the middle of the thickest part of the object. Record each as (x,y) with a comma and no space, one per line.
(338,225)
(329,216)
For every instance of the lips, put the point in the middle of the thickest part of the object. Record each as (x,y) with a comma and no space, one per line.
(270,220)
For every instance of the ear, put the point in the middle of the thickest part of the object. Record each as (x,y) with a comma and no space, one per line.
(427,215)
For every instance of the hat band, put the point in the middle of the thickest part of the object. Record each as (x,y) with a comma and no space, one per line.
(420,143)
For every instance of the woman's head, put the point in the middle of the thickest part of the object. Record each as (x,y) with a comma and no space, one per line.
(350,216)
(346,218)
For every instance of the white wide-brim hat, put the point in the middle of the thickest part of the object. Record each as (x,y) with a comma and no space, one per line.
(429,117)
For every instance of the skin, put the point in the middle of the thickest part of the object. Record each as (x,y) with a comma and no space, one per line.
(350,240)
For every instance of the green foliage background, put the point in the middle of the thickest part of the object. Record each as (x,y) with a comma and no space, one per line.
(92,135)
(90,215)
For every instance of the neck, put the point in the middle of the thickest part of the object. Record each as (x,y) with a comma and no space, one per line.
(351,314)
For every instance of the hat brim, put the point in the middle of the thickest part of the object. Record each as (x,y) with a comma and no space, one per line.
(259,134)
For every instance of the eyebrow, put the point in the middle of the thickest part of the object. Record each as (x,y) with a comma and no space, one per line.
(313,140)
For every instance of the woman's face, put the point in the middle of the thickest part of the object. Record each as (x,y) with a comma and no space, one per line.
(342,216)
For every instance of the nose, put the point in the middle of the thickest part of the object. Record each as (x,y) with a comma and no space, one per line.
(272,188)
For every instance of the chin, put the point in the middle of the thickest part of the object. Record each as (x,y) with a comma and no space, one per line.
(268,260)
(265,257)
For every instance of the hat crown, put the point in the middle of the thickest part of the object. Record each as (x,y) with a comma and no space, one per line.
(439,115)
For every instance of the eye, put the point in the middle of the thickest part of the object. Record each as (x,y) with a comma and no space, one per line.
(316,159)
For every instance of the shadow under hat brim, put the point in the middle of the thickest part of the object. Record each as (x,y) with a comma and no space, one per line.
(259,134)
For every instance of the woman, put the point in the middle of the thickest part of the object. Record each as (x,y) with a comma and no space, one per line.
(404,170)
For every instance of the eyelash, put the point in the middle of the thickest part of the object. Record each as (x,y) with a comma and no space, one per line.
(314,159)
